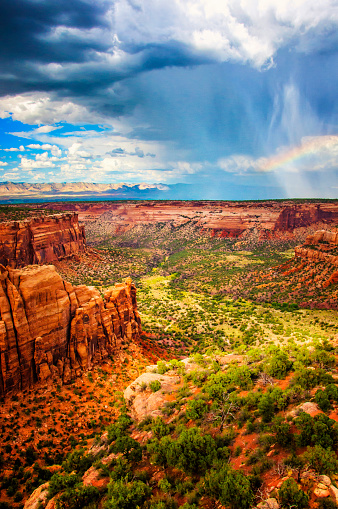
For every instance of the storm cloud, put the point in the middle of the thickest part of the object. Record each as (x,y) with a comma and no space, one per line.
(181,91)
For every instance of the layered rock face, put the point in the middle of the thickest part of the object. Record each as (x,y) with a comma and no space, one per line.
(321,246)
(269,219)
(52,330)
(41,240)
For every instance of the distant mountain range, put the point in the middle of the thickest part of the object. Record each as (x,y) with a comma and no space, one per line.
(23,191)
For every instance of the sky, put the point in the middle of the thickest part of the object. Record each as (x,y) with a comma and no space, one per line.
(236,98)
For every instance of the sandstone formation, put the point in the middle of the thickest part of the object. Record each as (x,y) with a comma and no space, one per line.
(320,247)
(52,330)
(268,219)
(41,240)
(140,399)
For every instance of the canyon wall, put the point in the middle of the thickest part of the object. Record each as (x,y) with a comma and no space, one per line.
(266,219)
(41,240)
(50,330)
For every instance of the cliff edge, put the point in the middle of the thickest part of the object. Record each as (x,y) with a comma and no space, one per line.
(41,240)
(50,330)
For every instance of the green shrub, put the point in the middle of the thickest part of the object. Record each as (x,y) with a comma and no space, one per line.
(59,482)
(119,428)
(322,400)
(163,502)
(160,428)
(278,365)
(327,503)
(266,407)
(78,461)
(323,461)
(130,448)
(196,408)
(318,430)
(77,497)
(309,378)
(191,452)
(162,367)
(231,487)
(283,432)
(290,495)
(126,495)
(220,382)
(155,385)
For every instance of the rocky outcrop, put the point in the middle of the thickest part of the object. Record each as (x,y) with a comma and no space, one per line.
(314,255)
(319,247)
(142,401)
(43,239)
(321,237)
(52,330)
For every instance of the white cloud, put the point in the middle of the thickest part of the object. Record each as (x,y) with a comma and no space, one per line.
(55,150)
(14,149)
(314,153)
(229,29)
(45,129)
(40,108)
(14,174)
(42,162)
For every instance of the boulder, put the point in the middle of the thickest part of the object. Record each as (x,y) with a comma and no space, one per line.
(145,403)
(38,498)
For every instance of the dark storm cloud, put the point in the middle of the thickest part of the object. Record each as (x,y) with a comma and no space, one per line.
(77,39)
(24,25)
(84,49)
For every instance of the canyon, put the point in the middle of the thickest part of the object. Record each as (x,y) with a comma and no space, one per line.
(50,330)
(265,220)
(41,239)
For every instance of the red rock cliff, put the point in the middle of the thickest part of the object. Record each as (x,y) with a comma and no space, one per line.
(40,240)
(321,246)
(266,219)
(52,330)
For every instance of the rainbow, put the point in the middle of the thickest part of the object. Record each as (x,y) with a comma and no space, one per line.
(310,146)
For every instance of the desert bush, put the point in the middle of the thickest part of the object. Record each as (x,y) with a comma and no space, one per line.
(318,430)
(232,488)
(327,503)
(278,365)
(323,461)
(129,447)
(196,408)
(60,482)
(162,367)
(123,494)
(155,385)
(284,437)
(119,428)
(308,378)
(191,452)
(290,495)
(222,381)
(160,428)
(322,400)
(162,502)
(77,497)
(78,461)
